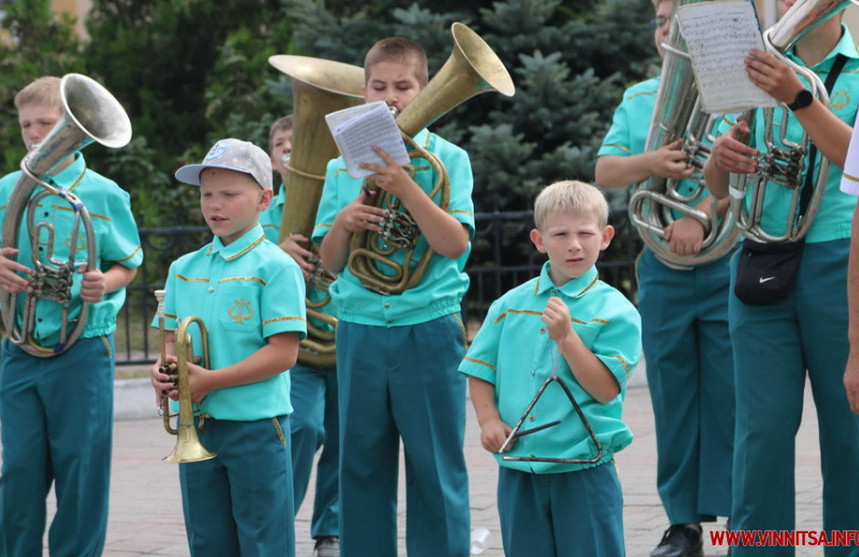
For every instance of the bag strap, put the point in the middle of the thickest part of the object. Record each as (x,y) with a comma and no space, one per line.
(805,195)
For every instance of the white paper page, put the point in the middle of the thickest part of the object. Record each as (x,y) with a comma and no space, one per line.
(358,129)
(719,36)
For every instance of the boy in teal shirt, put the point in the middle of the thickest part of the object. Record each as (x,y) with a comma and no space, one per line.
(250,295)
(313,390)
(56,413)
(397,354)
(588,335)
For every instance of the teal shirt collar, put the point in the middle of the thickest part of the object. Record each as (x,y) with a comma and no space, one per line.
(240,246)
(845,46)
(574,288)
(69,175)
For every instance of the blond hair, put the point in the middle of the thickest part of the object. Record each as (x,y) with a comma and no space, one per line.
(401,51)
(45,90)
(570,196)
(283,123)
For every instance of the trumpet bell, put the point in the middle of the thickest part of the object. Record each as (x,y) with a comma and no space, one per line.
(188,446)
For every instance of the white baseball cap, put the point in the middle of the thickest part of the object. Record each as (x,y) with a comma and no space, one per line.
(231,154)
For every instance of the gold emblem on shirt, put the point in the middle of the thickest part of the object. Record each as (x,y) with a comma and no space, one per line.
(240,311)
(839,99)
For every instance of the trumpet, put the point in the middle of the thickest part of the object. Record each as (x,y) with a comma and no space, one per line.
(90,113)
(188,446)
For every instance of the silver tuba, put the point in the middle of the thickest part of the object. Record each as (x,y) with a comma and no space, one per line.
(90,113)
(783,162)
(677,114)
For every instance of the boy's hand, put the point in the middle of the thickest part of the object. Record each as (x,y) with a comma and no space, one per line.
(93,285)
(161,382)
(9,279)
(669,161)
(556,316)
(493,434)
(302,256)
(391,177)
(773,76)
(358,216)
(198,382)
(731,154)
(685,236)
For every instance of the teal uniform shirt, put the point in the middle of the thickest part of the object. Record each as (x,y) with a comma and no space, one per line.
(244,293)
(442,287)
(514,352)
(833,218)
(116,240)
(631,124)
(270,219)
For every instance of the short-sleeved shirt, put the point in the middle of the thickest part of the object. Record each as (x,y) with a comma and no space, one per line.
(832,221)
(116,240)
(244,293)
(444,283)
(631,124)
(513,351)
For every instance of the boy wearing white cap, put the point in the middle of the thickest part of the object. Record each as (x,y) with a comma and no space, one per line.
(250,295)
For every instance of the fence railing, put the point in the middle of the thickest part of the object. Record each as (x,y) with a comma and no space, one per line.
(502,257)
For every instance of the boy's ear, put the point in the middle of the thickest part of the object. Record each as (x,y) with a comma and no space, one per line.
(607,235)
(265,199)
(537,239)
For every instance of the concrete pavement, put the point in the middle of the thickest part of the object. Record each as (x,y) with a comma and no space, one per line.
(146,516)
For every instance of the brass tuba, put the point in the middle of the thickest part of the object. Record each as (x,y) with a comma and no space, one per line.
(783,163)
(318,88)
(677,114)
(90,113)
(188,446)
(472,68)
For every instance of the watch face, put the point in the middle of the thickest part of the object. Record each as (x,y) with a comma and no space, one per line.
(803,99)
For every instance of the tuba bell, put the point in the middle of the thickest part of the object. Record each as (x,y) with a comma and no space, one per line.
(784,161)
(472,68)
(188,446)
(657,201)
(90,113)
(318,88)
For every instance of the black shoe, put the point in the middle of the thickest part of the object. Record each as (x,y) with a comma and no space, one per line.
(680,540)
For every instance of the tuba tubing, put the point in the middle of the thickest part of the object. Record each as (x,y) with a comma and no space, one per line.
(90,113)
(783,163)
(472,68)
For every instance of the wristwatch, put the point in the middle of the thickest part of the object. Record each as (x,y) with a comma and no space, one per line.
(803,99)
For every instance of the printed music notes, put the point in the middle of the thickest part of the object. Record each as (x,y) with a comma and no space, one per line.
(358,129)
(719,36)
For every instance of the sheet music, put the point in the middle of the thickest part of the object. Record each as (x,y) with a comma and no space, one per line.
(356,130)
(719,36)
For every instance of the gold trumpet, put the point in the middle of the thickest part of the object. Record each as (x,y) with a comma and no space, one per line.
(188,446)
(472,68)
(318,88)
(90,113)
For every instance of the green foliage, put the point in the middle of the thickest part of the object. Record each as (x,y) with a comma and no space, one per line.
(33,43)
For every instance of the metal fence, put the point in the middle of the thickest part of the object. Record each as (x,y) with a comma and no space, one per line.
(502,257)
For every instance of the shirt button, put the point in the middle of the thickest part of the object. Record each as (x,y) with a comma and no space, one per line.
(531,418)
(387,305)
(533,372)
(211,289)
(542,330)
(555,292)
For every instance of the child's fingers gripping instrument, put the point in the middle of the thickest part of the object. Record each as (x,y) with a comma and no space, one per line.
(90,113)
(188,446)
(472,68)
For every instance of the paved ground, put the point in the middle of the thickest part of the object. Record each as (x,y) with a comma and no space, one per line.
(146,514)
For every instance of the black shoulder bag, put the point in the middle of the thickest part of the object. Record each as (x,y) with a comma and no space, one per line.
(766,272)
